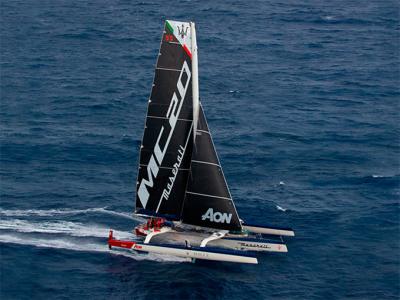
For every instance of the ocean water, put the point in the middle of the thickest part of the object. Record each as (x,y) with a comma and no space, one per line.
(302,98)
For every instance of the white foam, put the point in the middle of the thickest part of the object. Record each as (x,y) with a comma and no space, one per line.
(82,246)
(30,232)
(377,176)
(62,227)
(65,211)
(41,213)
(328,18)
(281,208)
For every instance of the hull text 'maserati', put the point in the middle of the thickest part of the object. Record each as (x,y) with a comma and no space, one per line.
(181,188)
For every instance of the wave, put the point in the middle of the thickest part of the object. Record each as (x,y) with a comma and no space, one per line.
(280,208)
(328,18)
(382,176)
(65,211)
(62,227)
(82,246)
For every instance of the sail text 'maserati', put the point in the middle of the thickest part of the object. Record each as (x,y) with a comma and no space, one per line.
(175,169)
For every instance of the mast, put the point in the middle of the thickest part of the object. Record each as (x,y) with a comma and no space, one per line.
(195,80)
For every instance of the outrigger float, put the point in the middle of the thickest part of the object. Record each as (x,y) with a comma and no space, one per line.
(181,188)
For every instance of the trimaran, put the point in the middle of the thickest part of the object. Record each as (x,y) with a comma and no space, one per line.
(181,189)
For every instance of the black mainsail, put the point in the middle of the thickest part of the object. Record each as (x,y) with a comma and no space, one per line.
(180,176)
(167,140)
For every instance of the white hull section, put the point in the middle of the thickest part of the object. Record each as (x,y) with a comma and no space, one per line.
(266,230)
(194,253)
(221,240)
(250,245)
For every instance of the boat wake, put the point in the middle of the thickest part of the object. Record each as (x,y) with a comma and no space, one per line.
(65,212)
(61,227)
(59,243)
(383,176)
(62,234)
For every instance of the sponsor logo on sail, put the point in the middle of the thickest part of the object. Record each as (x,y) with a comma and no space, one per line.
(159,151)
(175,169)
(217,216)
(182,31)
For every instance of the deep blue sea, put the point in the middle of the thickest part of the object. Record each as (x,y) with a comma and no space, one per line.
(302,98)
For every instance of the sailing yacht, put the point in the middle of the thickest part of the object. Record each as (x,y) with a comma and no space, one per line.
(181,188)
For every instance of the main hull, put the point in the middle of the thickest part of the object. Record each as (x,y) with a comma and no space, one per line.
(199,238)
(188,251)
(160,237)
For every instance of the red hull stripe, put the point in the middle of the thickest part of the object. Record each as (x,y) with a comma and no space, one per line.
(121,244)
(117,243)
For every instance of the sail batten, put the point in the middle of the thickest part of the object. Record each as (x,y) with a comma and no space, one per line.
(208,195)
(205,162)
(169,168)
(179,119)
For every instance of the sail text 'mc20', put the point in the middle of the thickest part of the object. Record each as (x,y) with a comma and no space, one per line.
(158,154)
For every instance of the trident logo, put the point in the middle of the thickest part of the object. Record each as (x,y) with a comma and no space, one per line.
(182,31)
